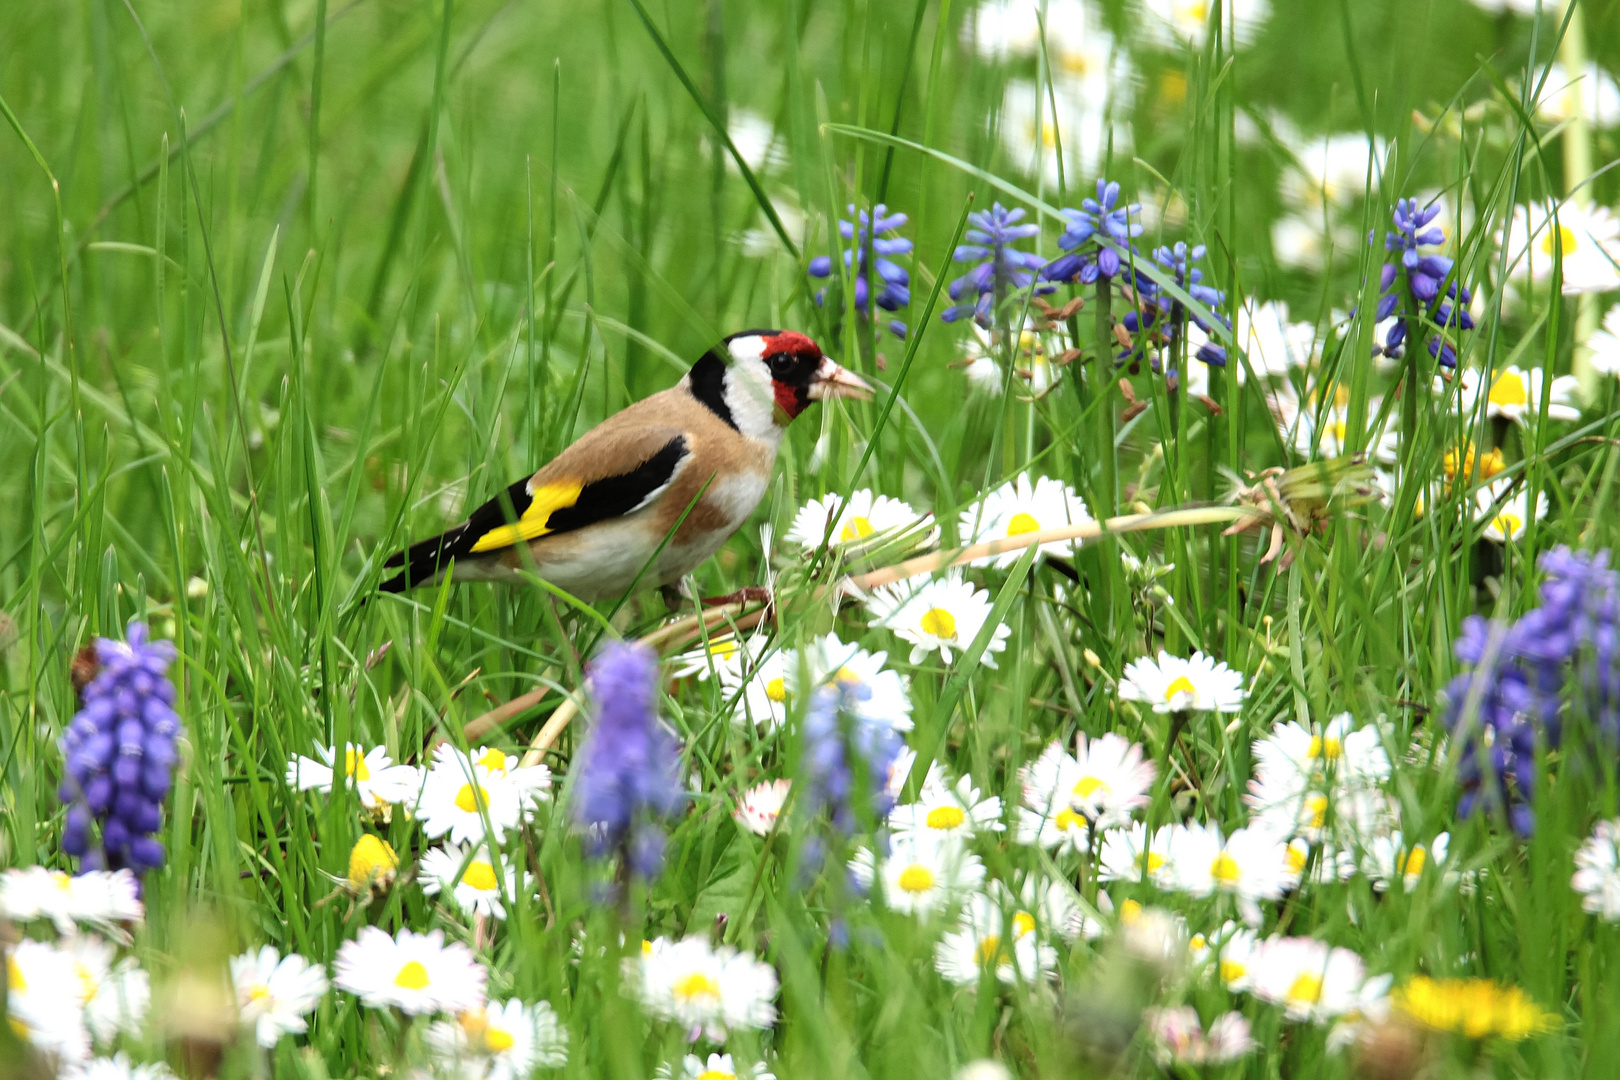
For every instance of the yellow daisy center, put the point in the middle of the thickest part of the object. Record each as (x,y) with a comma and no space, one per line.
(716,1074)
(776,690)
(1507,524)
(1412,861)
(1563,236)
(1197,943)
(1225,870)
(846,676)
(1509,389)
(257,992)
(498,1041)
(1329,748)
(413,976)
(1022,523)
(62,881)
(473,1021)
(492,759)
(938,622)
(697,985)
(1295,858)
(916,879)
(467,799)
(87,982)
(1129,912)
(1232,971)
(858,527)
(725,648)
(945,817)
(1180,685)
(989,949)
(355,765)
(1022,923)
(1152,862)
(1091,785)
(1068,819)
(1316,807)
(480,875)
(1306,987)
(14,976)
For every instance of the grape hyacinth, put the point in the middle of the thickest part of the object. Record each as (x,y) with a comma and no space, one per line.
(1002,267)
(837,741)
(867,231)
(1166,315)
(1425,273)
(120,755)
(1087,257)
(1521,671)
(629,767)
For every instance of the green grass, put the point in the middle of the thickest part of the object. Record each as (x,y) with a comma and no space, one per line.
(276,299)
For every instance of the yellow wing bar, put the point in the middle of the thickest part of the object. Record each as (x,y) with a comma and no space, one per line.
(533,523)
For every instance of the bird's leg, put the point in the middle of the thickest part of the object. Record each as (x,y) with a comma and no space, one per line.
(753,594)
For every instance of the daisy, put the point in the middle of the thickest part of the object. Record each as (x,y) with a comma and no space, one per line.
(44,1000)
(1354,756)
(724,655)
(274,993)
(1234,950)
(1312,980)
(1251,864)
(701,988)
(459,787)
(978,362)
(763,688)
(1515,394)
(1047,817)
(863,515)
(1333,171)
(1597,871)
(1049,906)
(1175,685)
(1187,21)
(467,875)
(1016,509)
(1386,860)
(1604,345)
(377,780)
(1587,239)
(505,1040)
(1506,518)
(1275,346)
(1009,29)
(717,1067)
(944,614)
(1126,855)
(987,942)
(1595,92)
(1179,1038)
(921,874)
(1075,117)
(415,973)
(949,811)
(759,808)
(96,898)
(900,771)
(879,693)
(118,1067)
(113,993)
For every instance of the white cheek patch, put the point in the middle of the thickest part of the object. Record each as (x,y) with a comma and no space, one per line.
(749,393)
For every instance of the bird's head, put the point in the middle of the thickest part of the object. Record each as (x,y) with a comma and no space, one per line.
(772,376)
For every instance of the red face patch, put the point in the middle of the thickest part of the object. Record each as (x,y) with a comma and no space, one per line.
(791,341)
(792,359)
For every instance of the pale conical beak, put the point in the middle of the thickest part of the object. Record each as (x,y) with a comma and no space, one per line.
(833,381)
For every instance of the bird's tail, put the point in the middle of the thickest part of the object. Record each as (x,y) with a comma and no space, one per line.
(423,561)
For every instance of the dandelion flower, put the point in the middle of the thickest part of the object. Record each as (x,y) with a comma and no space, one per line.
(704,988)
(372,862)
(274,993)
(377,780)
(1477,1008)
(415,973)
(1018,508)
(467,876)
(1172,684)
(944,616)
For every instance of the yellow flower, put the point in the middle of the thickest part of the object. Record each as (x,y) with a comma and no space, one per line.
(371,864)
(1473,466)
(1476,1008)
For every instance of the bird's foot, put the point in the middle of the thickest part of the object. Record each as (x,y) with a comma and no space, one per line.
(753,594)
(674,598)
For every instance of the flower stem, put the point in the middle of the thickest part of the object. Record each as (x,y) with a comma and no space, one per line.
(1104,494)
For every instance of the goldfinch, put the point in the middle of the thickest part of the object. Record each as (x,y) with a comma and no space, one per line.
(688,464)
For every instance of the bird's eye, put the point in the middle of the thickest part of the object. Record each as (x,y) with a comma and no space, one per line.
(782,364)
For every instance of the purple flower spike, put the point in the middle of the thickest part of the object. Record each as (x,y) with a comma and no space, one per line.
(120,755)
(629,767)
(1002,267)
(872,231)
(1091,238)
(1425,274)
